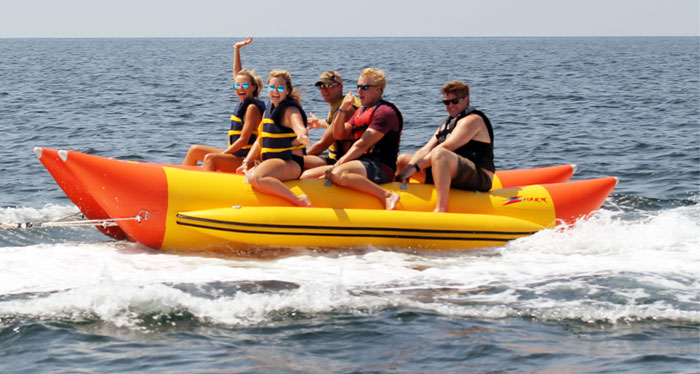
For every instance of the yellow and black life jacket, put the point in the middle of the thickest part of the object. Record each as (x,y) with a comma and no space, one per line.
(277,139)
(237,121)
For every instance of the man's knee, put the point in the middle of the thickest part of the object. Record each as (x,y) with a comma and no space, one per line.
(441,155)
(404,158)
(340,175)
(337,175)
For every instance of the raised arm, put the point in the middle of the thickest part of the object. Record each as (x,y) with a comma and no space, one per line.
(237,55)
(342,129)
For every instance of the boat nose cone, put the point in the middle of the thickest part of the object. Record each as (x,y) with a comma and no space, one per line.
(574,167)
(37,152)
(63,155)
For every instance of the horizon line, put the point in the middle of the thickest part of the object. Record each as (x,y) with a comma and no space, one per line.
(350,37)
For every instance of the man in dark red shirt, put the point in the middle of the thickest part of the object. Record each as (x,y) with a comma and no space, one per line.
(376,128)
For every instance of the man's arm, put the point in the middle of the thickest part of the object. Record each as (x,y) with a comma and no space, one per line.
(468,128)
(341,128)
(360,146)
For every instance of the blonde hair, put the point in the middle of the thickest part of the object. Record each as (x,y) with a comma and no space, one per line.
(254,79)
(376,75)
(460,89)
(294,94)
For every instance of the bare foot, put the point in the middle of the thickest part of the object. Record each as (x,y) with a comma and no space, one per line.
(438,210)
(303,201)
(391,201)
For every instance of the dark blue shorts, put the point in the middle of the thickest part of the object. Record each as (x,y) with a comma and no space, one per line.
(377,172)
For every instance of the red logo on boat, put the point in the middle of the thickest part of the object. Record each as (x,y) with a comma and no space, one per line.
(520,199)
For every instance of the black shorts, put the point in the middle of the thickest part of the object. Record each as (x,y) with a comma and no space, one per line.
(300,161)
(328,160)
(469,177)
(376,171)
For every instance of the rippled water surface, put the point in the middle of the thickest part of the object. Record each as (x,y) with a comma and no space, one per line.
(617,293)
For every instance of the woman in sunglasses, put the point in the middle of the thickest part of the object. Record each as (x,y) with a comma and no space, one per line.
(244,122)
(376,130)
(459,154)
(282,142)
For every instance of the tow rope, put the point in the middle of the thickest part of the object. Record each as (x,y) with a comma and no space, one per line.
(143,215)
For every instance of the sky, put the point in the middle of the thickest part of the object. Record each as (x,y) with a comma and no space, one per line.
(355,18)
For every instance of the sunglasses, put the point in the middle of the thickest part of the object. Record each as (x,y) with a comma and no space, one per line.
(452,101)
(244,85)
(272,88)
(365,87)
(326,85)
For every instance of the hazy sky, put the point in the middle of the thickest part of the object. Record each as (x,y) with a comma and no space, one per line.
(318,18)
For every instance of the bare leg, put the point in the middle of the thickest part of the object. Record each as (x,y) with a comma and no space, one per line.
(304,201)
(444,165)
(391,201)
(197,152)
(268,176)
(317,172)
(222,161)
(353,175)
(313,161)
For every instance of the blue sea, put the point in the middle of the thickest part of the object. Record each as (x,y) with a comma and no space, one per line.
(617,293)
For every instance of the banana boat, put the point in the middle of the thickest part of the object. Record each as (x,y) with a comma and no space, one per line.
(187,209)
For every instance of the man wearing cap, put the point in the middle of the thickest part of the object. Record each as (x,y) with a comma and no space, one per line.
(331,86)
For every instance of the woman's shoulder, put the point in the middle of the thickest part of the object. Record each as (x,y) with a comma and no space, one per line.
(254,104)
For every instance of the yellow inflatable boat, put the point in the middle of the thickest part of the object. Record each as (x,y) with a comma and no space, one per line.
(187,209)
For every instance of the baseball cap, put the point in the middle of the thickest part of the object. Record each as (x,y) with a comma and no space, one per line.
(329,77)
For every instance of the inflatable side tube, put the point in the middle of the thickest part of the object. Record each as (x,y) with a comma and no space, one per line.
(575,200)
(347,228)
(524,177)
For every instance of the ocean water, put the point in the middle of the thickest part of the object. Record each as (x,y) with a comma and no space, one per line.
(618,293)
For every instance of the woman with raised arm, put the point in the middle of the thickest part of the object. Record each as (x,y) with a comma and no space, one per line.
(244,122)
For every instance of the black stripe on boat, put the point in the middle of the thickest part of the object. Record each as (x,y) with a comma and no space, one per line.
(399,233)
